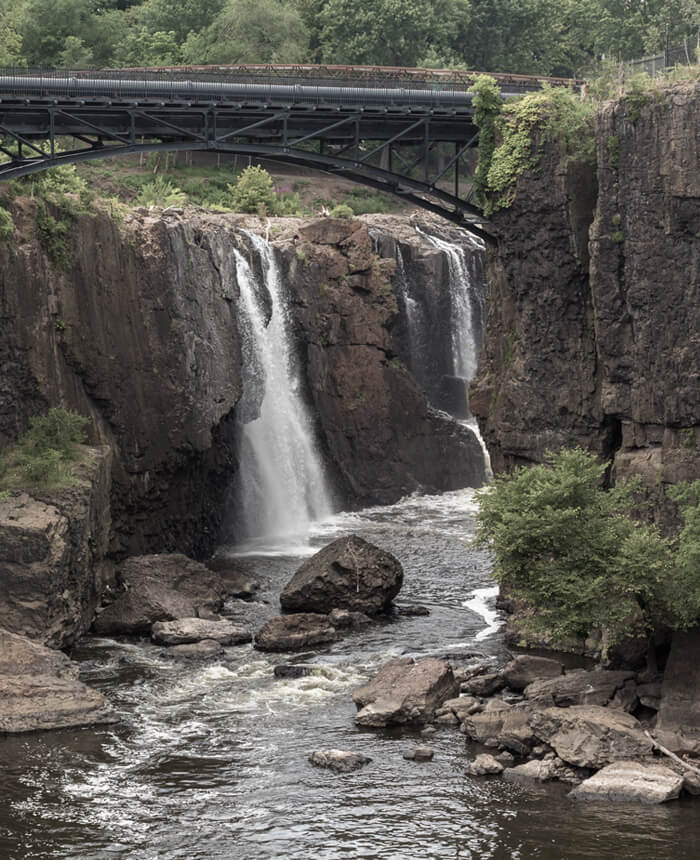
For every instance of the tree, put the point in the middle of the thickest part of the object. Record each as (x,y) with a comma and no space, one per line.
(251,31)
(385,32)
(572,549)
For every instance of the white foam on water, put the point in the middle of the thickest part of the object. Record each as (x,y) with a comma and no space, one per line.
(480,602)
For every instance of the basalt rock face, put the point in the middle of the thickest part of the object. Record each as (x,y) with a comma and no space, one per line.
(378,428)
(53,554)
(141,334)
(593,333)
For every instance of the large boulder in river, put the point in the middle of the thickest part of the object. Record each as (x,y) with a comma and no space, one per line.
(347,574)
(184,631)
(629,781)
(294,632)
(404,691)
(39,689)
(160,588)
(591,736)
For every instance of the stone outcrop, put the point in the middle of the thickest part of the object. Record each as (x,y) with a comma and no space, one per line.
(294,632)
(579,687)
(184,631)
(404,691)
(350,574)
(376,424)
(53,554)
(592,335)
(484,764)
(524,669)
(591,736)
(678,722)
(631,781)
(160,588)
(39,689)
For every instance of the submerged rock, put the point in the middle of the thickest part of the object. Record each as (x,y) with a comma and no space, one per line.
(404,691)
(419,754)
(39,689)
(484,764)
(342,618)
(295,631)
(341,761)
(413,609)
(184,631)
(160,588)
(203,649)
(349,573)
(629,781)
(291,670)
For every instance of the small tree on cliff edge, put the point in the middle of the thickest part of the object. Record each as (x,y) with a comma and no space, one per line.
(572,549)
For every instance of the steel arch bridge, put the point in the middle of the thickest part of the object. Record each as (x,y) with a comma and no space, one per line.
(411,141)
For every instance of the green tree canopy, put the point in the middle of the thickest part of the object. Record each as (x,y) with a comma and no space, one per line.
(572,549)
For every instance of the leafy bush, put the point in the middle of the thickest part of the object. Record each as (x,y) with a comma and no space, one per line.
(43,455)
(53,235)
(7,225)
(364,201)
(572,549)
(160,192)
(254,192)
(342,210)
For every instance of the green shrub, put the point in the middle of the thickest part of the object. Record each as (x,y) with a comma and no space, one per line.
(254,192)
(160,192)
(342,210)
(44,454)
(7,225)
(53,235)
(488,105)
(574,551)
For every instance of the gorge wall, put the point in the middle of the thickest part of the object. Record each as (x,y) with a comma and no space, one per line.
(140,333)
(593,332)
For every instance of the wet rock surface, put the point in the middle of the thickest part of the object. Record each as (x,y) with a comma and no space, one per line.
(524,669)
(579,687)
(160,588)
(185,631)
(350,574)
(631,781)
(340,761)
(404,691)
(39,689)
(419,754)
(294,632)
(484,764)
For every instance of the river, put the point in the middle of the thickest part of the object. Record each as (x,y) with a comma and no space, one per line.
(209,760)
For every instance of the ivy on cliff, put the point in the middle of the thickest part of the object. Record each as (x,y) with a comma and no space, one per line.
(522,127)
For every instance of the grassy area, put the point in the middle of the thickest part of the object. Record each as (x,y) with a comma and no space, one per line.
(159,181)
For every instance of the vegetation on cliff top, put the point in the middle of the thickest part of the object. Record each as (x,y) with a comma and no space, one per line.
(573,550)
(559,37)
(45,455)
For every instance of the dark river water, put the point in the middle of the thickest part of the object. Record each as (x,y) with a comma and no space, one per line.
(210,759)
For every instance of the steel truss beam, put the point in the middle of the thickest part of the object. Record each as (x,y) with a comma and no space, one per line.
(348,144)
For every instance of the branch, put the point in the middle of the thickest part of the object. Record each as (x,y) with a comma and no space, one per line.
(671,755)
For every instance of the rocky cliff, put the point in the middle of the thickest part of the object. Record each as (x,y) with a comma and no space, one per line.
(593,333)
(140,333)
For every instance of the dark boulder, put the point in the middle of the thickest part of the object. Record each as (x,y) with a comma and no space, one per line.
(160,588)
(341,761)
(347,574)
(292,632)
(527,668)
(291,670)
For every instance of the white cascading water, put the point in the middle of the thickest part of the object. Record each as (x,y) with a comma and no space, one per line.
(463,293)
(414,320)
(280,485)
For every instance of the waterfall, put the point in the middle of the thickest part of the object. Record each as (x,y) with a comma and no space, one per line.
(413,315)
(467,306)
(280,486)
